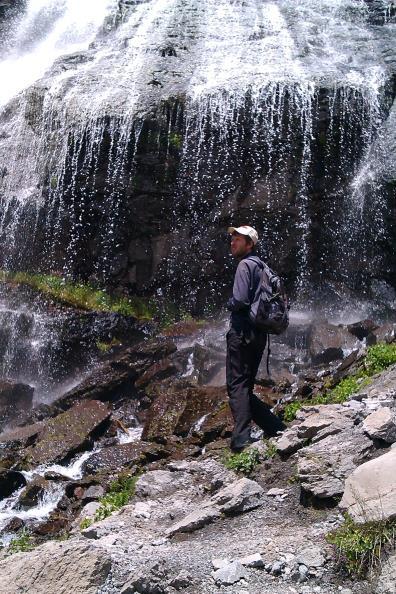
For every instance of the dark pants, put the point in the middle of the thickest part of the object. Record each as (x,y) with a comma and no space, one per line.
(243,360)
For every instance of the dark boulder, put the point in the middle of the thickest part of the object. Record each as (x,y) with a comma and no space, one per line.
(69,432)
(33,492)
(14,525)
(10,481)
(15,398)
(125,455)
(384,333)
(177,407)
(328,342)
(116,378)
(362,329)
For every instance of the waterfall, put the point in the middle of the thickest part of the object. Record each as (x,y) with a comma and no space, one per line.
(128,129)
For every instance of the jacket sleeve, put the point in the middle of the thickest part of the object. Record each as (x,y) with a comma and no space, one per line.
(240,293)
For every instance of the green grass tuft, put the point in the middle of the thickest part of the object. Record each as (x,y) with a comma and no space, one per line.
(21,543)
(244,462)
(360,547)
(379,357)
(86,523)
(120,493)
(271,450)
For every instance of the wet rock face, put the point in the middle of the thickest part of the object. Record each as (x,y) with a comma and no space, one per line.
(177,406)
(327,343)
(125,455)
(14,398)
(10,481)
(68,432)
(32,493)
(119,377)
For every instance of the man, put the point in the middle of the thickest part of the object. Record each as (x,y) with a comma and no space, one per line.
(245,344)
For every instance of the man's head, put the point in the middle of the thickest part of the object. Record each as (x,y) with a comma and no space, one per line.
(243,240)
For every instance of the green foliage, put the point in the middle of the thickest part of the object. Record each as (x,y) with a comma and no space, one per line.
(379,357)
(291,409)
(175,140)
(271,450)
(86,523)
(104,347)
(120,493)
(244,462)
(360,546)
(81,296)
(21,543)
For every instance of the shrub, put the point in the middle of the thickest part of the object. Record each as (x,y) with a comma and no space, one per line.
(120,493)
(271,450)
(379,357)
(86,523)
(243,462)
(21,543)
(360,546)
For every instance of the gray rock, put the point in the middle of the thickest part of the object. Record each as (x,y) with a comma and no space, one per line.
(239,497)
(387,578)
(158,483)
(277,567)
(274,492)
(254,560)
(327,420)
(195,520)
(219,563)
(55,568)
(380,392)
(370,491)
(94,492)
(311,556)
(289,442)
(229,574)
(181,581)
(322,467)
(302,573)
(381,425)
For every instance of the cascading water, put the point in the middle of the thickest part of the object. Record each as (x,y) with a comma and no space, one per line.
(147,127)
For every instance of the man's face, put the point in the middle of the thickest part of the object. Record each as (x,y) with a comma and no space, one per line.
(240,245)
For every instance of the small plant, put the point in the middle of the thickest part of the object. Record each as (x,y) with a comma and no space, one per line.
(175,140)
(104,347)
(243,462)
(120,493)
(271,450)
(360,546)
(379,357)
(291,409)
(86,523)
(21,543)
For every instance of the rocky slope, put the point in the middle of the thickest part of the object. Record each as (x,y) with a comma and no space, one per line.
(193,524)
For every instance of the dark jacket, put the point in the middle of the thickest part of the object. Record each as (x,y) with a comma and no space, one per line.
(247,278)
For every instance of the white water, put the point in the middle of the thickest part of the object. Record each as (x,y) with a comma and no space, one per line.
(9,507)
(69,26)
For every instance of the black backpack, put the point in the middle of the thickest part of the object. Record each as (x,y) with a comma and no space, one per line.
(269,310)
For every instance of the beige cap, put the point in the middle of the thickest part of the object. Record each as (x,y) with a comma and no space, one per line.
(245,230)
